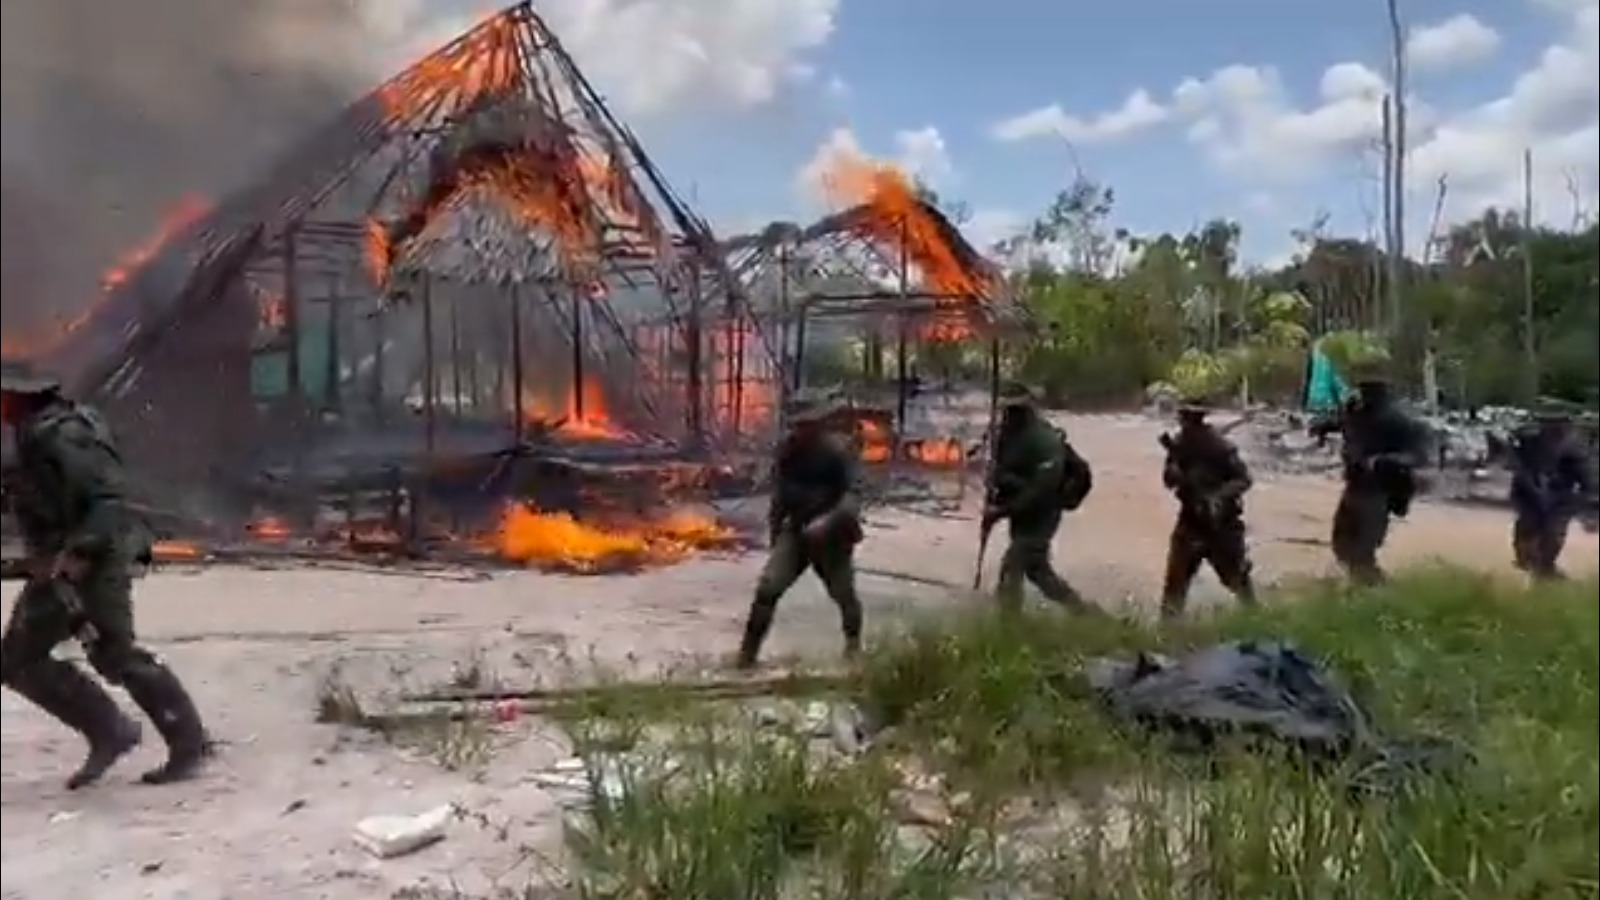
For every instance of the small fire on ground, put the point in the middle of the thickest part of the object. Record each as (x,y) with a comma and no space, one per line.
(557,541)
(877,445)
(524,536)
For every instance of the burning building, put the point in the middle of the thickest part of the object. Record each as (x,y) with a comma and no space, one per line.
(892,275)
(468,312)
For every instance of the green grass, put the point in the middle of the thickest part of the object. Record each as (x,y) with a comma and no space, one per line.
(1044,797)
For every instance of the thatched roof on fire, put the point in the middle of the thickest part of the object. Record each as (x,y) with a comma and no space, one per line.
(483,243)
(756,259)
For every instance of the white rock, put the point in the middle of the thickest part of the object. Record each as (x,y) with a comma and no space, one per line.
(390,836)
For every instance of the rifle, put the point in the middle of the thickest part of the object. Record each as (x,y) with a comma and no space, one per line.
(1189,496)
(60,589)
(985,529)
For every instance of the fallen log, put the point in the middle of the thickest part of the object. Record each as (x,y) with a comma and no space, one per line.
(467,705)
(776,684)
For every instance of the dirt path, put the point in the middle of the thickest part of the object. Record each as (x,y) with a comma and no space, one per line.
(273,820)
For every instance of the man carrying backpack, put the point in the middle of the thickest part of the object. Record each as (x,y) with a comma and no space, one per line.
(1036,476)
(1204,471)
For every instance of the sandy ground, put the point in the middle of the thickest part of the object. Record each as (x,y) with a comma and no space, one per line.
(273,818)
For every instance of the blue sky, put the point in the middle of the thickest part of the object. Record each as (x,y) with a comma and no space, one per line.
(1268,145)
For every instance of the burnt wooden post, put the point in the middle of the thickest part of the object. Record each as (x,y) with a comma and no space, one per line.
(519,410)
(291,326)
(902,351)
(380,351)
(334,401)
(578,373)
(695,356)
(430,372)
(456,377)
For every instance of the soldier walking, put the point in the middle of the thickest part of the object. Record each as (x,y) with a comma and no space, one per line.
(814,522)
(1037,476)
(1552,475)
(1382,448)
(69,499)
(1204,471)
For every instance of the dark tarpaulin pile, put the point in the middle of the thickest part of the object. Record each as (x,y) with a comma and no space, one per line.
(1264,691)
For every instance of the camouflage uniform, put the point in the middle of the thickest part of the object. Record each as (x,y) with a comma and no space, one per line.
(83,540)
(1382,449)
(1204,470)
(814,522)
(1025,490)
(1551,475)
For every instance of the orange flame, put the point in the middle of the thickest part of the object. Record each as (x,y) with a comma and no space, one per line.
(484,62)
(592,422)
(937,452)
(529,537)
(188,210)
(875,441)
(894,216)
(546,191)
(176,551)
(269,528)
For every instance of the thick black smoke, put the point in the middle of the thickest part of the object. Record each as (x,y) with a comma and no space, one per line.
(115,111)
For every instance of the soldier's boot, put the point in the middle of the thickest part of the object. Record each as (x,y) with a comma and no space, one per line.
(162,697)
(1057,590)
(850,621)
(756,627)
(1245,592)
(77,701)
(1173,605)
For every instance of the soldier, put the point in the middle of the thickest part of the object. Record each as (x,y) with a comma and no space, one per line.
(814,522)
(1382,449)
(1204,471)
(1037,476)
(83,541)
(1551,476)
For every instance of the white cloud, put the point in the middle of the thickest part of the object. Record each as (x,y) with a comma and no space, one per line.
(1249,125)
(1552,111)
(648,56)
(920,152)
(1139,112)
(923,152)
(1245,120)
(1458,41)
(989,226)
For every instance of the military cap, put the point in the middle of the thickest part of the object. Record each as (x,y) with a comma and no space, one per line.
(1015,393)
(1197,407)
(19,377)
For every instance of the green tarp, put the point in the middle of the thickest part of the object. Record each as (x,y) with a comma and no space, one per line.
(1325,390)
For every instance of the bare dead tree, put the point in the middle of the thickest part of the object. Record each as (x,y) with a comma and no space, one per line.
(1430,359)
(1582,215)
(1383,273)
(1397,164)
(1530,351)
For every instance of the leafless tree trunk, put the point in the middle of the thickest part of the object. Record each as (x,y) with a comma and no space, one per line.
(1397,166)
(1530,352)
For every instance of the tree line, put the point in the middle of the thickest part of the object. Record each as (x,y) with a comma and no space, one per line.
(1496,313)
